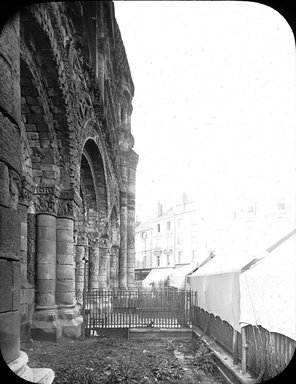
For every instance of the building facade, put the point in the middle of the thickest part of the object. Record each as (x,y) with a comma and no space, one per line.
(67,168)
(171,239)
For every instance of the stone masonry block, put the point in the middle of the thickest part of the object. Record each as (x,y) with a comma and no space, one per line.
(63,224)
(64,259)
(4,185)
(10,234)
(10,335)
(5,285)
(16,284)
(46,221)
(10,152)
(24,236)
(65,286)
(65,272)
(65,235)
(45,257)
(46,285)
(46,271)
(65,297)
(46,233)
(27,295)
(46,246)
(65,248)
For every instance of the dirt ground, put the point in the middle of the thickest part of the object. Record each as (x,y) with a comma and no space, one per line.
(101,360)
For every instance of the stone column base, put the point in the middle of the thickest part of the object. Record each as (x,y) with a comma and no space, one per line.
(70,321)
(45,325)
(34,375)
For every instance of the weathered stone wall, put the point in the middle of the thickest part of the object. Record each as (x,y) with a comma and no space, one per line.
(67,167)
(10,173)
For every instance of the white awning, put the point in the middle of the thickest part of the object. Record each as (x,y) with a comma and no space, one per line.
(156,276)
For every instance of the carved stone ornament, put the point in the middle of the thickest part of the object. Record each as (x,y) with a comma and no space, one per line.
(104,241)
(47,204)
(114,249)
(27,191)
(81,238)
(66,208)
(14,189)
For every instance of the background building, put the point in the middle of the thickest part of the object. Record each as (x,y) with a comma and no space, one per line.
(170,239)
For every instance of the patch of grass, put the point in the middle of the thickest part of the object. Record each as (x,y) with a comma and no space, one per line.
(105,361)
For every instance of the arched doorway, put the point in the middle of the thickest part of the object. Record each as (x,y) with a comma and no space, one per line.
(92,223)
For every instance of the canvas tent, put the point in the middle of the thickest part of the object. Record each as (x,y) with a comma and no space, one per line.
(178,275)
(257,291)
(156,277)
(268,290)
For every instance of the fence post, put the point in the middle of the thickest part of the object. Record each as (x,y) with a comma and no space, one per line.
(244,350)
(129,314)
(235,347)
(84,299)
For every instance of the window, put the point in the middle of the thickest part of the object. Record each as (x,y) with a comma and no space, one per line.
(158,260)
(194,236)
(158,227)
(143,235)
(180,238)
(194,255)
(168,225)
(168,260)
(179,257)
(180,223)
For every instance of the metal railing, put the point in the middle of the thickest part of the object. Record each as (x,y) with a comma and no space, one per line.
(135,308)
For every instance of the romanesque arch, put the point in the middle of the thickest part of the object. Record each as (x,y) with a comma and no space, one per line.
(67,168)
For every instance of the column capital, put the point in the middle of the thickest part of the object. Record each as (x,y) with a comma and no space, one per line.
(65,209)
(46,199)
(129,158)
(81,238)
(27,192)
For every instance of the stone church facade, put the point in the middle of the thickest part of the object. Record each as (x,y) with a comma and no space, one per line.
(67,167)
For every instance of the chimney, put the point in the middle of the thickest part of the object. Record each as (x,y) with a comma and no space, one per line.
(159,209)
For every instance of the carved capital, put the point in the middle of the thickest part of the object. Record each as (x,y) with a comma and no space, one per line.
(93,239)
(81,238)
(104,241)
(47,204)
(114,249)
(47,199)
(27,192)
(66,208)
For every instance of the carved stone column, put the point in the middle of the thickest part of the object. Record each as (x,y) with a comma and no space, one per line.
(123,225)
(81,256)
(27,287)
(94,262)
(103,263)
(69,317)
(132,161)
(114,266)
(45,326)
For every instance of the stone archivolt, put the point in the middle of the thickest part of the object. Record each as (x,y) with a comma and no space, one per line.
(68,197)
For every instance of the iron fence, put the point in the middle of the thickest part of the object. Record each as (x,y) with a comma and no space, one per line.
(136,308)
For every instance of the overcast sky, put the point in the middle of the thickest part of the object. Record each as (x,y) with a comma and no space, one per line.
(214,106)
